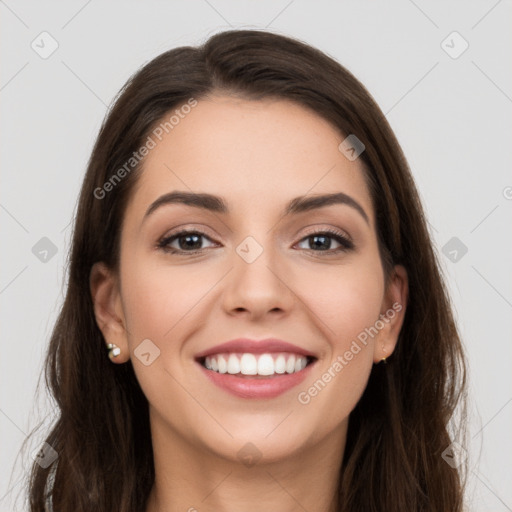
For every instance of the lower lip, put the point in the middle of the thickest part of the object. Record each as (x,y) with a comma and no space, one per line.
(246,387)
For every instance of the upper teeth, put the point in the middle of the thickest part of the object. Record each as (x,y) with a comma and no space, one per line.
(251,364)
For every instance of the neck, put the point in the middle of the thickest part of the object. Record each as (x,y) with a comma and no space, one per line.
(192,478)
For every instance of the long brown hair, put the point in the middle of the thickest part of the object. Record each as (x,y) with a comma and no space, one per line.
(393,460)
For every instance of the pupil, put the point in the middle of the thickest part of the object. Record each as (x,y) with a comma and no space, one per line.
(326,245)
(193,245)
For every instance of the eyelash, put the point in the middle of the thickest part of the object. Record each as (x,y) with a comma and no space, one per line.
(346,244)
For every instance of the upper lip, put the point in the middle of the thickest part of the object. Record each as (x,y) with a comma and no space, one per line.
(246,345)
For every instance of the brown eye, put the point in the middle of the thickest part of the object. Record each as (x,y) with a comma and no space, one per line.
(321,241)
(186,241)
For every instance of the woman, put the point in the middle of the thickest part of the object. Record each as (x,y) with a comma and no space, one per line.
(251,253)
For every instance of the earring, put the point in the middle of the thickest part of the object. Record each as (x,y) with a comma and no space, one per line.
(113,350)
(383,360)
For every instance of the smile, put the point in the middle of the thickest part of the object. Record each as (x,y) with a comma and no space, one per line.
(256,376)
(266,364)
(250,368)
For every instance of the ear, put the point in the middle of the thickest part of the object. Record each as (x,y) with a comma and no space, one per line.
(392,313)
(108,310)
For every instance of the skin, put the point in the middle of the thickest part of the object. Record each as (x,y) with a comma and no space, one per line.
(257,155)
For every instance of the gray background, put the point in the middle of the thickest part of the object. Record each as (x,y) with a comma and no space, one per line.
(452,117)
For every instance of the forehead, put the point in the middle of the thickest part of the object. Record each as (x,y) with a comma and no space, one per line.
(255,153)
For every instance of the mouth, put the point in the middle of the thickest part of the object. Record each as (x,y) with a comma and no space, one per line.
(256,376)
(249,368)
(256,366)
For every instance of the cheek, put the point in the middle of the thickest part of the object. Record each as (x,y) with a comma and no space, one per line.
(158,303)
(347,298)
(156,298)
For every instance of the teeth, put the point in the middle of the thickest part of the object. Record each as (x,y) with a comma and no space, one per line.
(265,365)
(251,364)
(248,365)
(223,365)
(290,365)
(280,364)
(299,364)
(233,364)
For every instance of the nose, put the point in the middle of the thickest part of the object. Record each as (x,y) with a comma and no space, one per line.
(259,283)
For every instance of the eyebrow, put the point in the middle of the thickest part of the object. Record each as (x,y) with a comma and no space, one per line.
(217,204)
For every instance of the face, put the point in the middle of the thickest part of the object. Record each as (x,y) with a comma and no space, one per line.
(255,269)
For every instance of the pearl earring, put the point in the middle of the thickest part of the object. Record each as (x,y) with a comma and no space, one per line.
(113,350)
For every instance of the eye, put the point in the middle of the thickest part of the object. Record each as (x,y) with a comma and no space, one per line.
(190,241)
(322,240)
(187,241)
